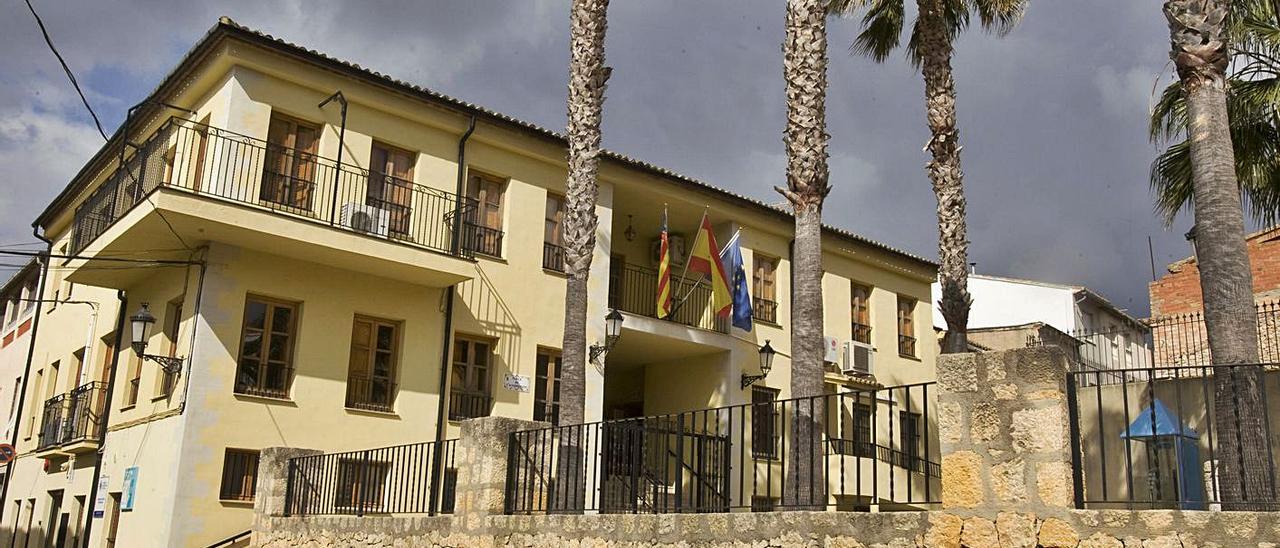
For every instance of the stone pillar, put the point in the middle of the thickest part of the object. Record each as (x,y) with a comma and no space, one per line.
(273,479)
(1004,427)
(481,460)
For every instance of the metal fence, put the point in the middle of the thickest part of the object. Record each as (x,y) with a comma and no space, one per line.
(633,289)
(1154,437)
(1183,340)
(415,478)
(864,449)
(223,164)
(74,416)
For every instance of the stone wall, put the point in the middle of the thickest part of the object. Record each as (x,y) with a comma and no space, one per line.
(1006,483)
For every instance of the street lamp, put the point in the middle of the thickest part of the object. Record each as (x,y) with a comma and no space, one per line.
(612,330)
(140,327)
(766,363)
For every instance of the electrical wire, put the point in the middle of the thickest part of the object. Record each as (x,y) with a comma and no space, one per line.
(74,83)
(67,69)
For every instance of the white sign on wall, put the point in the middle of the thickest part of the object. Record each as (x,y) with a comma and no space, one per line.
(100,502)
(516,383)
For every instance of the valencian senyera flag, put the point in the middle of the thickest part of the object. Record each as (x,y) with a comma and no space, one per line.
(664,271)
(705,258)
(731,256)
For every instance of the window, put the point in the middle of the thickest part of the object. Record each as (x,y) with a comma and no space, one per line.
(546,389)
(360,483)
(391,185)
(856,435)
(484,231)
(35,391)
(553,234)
(172,330)
(764,288)
(132,389)
(861,313)
(764,416)
(113,526)
(469,383)
(909,438)
(371,372)
(289,176)
(239,475)
(906,327)
(266,348)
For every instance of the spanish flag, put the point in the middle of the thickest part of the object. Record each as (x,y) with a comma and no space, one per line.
(705,258)
(664,272)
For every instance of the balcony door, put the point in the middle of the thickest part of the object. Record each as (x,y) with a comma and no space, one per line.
(289,177)
(391,186)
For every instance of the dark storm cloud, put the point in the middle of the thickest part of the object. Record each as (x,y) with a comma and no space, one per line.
(1052,117)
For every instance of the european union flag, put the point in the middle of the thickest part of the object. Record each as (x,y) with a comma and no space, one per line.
(731,256)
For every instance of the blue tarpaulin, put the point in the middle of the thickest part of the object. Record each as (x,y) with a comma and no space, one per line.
(1165,423)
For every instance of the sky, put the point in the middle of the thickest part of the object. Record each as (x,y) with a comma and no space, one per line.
(1052,116)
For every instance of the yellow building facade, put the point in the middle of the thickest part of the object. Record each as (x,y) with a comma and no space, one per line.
(339,305)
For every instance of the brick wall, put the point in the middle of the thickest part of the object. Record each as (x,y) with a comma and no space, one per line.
(1178,292)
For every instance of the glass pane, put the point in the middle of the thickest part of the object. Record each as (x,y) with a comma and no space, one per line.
(382,364)
(281,318)
(482,354)
(386,337)
(460,351)
(458,377)
(248,375)
(252,345)
(255,314)
(279,348)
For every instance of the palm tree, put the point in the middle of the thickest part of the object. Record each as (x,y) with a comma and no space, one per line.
(805,70)
(1199,49)
(937,24)
(1252,107)
(588,77)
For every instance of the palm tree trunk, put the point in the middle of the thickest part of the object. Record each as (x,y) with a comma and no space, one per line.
(805,137)
(588,77)
(1199,50)
(944,172)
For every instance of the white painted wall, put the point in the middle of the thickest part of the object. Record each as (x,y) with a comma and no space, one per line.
(998,303)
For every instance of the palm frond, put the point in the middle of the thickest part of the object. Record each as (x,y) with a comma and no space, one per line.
(881,29)
(1257,170)
(999,16)
(1169,116)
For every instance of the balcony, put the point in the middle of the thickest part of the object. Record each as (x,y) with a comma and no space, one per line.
(765,310)
(72,422)
(552,257)
(861,332)
(634,289)
(370,393)
(469,405)
(207,183)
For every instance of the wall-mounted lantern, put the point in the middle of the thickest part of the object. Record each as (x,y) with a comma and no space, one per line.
(766,363)
(140,324)
(612,331)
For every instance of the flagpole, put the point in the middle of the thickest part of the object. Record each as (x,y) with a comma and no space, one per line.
(676,306)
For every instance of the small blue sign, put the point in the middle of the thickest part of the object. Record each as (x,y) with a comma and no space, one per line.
(130,486)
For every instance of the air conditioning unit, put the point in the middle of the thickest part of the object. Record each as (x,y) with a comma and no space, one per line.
(365,218)
(859,359)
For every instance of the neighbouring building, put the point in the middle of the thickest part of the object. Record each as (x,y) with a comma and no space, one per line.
(18,297)
(306,302)
(1177,327)
(1011,312)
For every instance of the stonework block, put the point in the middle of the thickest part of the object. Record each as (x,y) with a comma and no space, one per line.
(984,424)
(1053,484)
(1016,530)
(944,530)
(1009,482)
(1055,533)
(957,373)
(979,532)
(962,480)
(1040,429)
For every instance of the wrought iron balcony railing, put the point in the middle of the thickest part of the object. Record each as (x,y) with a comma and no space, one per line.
(225,165)
(73,417)
(634,289)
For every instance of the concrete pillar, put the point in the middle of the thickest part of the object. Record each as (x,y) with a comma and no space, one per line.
(481,460)
(1004,426)
(273,479)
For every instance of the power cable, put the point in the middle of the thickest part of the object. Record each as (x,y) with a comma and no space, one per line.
(96,122)
(67,69)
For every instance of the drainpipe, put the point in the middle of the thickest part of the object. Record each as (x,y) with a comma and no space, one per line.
(342,135)
(104,421)
(26,374)
(437,459)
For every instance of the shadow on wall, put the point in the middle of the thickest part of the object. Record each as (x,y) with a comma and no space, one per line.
(481,310)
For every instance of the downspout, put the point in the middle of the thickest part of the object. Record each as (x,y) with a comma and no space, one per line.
(337,169)
(104,421)
(26,374)
(437,460)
